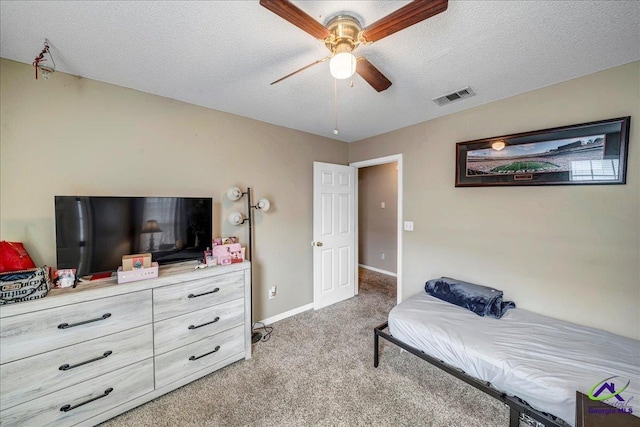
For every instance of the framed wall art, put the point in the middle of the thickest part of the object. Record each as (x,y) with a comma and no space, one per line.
(588,153)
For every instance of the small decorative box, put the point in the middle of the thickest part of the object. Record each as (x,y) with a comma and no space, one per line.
(132,262)
(138,274)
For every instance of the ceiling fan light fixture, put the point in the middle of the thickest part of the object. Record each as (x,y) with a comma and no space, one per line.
(342,65)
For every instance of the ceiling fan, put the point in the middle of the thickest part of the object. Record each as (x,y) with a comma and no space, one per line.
(344,33)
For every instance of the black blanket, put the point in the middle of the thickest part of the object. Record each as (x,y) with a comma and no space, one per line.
(482,300)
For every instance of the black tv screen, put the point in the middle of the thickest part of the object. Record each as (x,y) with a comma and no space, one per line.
(93,233)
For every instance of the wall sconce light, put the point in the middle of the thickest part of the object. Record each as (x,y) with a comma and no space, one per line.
(234,193)
(236,218)
(263,204)
(498,145)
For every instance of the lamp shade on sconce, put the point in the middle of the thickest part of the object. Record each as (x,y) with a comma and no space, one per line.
(263,204)
(236,218)
(234,193)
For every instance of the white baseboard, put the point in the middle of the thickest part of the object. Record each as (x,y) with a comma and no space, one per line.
(377,270)
(286,314)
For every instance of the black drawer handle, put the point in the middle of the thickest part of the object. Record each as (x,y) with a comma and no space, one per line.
(205,293)
(66,366)
(206,354)
(67,407)
(67,325)
(204,324)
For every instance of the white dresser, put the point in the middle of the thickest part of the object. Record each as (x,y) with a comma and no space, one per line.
(81,356)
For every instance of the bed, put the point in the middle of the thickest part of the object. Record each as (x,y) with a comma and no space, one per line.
(533,363)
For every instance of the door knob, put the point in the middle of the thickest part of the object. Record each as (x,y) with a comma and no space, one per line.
(316,243)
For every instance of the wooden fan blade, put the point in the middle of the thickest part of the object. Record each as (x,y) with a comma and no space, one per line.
(372,75)
(406,16)
(301,69)
(289,12)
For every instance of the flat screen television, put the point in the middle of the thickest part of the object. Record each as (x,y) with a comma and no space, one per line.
(93,233)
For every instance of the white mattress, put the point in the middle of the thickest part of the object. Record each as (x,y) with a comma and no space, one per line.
(542,360)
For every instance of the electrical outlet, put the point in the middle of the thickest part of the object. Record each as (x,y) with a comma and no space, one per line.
(408,226)
(382,255)
(272,292)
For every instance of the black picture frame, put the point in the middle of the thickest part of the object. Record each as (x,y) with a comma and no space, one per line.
(587,153)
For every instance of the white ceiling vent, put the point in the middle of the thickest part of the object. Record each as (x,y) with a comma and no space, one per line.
(454,96)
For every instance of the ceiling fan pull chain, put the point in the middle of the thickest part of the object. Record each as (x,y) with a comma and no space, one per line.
(335,105)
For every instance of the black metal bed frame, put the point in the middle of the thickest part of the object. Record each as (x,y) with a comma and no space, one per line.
(516,405)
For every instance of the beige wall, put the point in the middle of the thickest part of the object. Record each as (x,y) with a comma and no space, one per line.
(571,252)
(377,226)
(70,135)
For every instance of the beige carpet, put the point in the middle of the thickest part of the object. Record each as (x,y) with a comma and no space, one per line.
(317,370)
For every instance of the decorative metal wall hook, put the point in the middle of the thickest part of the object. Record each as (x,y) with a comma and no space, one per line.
(38,62)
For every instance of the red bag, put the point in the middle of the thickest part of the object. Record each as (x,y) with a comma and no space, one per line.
(14,257)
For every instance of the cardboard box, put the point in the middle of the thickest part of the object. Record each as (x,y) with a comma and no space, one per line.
(132,262)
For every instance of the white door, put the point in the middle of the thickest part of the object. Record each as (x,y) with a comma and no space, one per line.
(333,233)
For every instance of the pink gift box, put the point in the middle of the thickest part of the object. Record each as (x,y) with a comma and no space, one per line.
(233,251)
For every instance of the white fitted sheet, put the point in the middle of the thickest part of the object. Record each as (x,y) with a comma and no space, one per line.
(542,360)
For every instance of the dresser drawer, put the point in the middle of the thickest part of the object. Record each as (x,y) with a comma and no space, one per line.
(41,331)
(199,355)
(191,327)
(36,376)
(83,400)
(182,298)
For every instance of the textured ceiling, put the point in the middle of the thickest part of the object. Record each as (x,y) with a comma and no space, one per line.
(224,54)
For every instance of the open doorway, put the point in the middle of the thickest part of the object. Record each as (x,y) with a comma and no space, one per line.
(379,218)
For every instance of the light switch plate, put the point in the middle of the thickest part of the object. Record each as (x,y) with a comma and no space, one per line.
(408,226)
